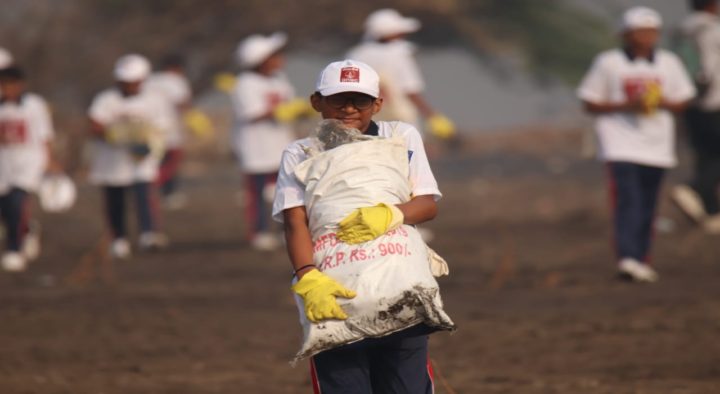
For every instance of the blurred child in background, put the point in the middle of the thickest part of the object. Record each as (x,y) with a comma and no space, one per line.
(386,50)
(701,35)
(264,104)
(25,154)
(633,92)
(171,83)
(128,126)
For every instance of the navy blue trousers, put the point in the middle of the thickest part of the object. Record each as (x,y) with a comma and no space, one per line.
(257,212)
(704,132)
(634,190)
(144,205)
(14,212)
(395,364)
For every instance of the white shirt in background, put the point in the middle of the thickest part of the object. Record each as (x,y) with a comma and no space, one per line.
(399,74)
(632,137)
(290,193)
(176,89)
(113,165)
(25,129)
(703,29)
(259,144)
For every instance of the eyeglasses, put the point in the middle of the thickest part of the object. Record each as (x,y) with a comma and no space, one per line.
(361,102)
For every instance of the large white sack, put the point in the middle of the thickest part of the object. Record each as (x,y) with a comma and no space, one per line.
(391,274)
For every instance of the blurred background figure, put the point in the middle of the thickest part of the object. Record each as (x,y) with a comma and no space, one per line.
(385,48)
(264,104)
(25,155)
(633,91)
(128,126)
(171,83)
(699,47)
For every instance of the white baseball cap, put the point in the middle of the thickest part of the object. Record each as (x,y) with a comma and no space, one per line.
(387,22)
(6,59)
(132,68)
(348,76)
(640,18)
(255,49)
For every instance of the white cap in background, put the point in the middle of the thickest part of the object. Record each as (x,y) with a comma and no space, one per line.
(255,49)
(132,68)
(348,76)
(6,59)
(640,18)
(388,22)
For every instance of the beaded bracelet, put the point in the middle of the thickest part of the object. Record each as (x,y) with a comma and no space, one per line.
(303,267)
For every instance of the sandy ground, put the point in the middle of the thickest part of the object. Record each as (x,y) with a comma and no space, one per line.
(523,224)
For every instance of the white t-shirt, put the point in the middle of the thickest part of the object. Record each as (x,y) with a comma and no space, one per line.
(259,144)
(25,129)
(632,137)
(290,193)
(176,89)
(399,74)
(113,165)
(703,29)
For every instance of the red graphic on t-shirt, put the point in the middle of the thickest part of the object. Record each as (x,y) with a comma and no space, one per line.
(12,131)
(273,99)
(350,74)
(636,87)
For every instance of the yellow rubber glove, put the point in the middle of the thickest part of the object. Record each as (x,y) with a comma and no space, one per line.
(440,126)
(117,133)
(652,97)
(224,82)
(318,292)
(290,111)
(198,123)
(366,224)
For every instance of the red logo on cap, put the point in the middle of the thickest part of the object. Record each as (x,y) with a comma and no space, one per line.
(350,74)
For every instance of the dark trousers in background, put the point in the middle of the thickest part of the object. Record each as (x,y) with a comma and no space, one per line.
(704,131)
(257,212)
(145,206)
(634,190)
(15,212)
(167,180)
(395,364)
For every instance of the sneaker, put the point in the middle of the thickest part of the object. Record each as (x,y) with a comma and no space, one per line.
(637,271)
(265,242)
(711,224)
(152,241)
(689,202)
(120,249)
(31,242)
(14,262)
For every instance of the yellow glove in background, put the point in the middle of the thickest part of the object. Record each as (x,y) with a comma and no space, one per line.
(224,82)
(318,292)
(198,123)
(366,224)
(440,126)
(291,110)
(652,97)
(117,133)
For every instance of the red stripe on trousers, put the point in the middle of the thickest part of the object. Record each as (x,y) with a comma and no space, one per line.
(24,224)
(314,378)
(169,166)
(431,373)
(612,191)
